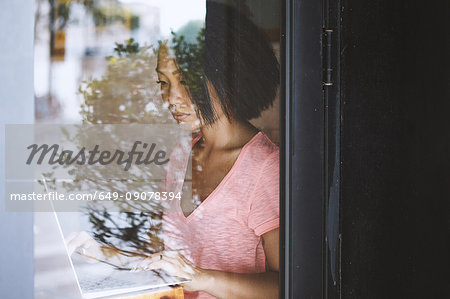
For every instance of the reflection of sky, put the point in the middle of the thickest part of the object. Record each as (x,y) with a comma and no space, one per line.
(175,13)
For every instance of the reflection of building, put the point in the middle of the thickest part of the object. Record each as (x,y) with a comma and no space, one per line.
(149,22)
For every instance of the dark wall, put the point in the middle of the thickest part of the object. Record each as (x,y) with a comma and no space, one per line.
(394,149)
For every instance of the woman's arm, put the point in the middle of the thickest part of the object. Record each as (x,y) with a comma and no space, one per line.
(224,284)
(259,285)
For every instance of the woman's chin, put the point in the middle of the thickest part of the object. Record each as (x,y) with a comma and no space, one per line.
(189,126)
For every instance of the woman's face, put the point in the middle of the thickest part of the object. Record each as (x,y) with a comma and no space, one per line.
(174,90)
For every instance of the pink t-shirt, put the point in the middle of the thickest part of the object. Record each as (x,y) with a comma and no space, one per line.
(224,231)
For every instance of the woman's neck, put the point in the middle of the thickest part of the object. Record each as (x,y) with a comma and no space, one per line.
(227,134)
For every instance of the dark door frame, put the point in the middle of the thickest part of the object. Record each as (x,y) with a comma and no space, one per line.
(310,147)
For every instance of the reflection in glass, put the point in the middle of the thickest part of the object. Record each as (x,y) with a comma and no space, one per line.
(117,62)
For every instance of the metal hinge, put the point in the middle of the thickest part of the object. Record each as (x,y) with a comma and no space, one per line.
(327,64)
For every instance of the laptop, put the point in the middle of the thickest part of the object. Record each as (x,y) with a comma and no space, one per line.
(104,279)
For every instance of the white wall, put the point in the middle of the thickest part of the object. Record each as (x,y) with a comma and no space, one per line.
(16,106)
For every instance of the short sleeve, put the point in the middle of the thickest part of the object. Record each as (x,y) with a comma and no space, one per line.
(264,214)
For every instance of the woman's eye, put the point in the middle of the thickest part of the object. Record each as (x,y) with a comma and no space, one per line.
(161,82)
(183,82)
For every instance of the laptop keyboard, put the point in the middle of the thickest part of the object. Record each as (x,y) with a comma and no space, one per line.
(108,283)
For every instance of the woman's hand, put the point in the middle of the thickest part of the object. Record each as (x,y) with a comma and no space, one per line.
(83,244)
(93,252)
(175,264)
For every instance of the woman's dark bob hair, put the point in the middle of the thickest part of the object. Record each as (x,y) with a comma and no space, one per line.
(240,64)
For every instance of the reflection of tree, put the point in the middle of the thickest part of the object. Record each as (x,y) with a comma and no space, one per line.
(132,227)
(138,231)
(189,57)
(125,93)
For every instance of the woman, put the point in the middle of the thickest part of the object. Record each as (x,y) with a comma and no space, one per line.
(225,237)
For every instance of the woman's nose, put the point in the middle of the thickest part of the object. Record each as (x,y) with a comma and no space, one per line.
(176,96)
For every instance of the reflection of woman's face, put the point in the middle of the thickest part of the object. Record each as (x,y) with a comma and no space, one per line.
(174,90)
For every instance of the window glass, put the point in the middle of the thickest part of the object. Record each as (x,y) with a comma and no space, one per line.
(210,69)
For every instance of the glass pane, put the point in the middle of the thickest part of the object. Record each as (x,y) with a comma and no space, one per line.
(208,68)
